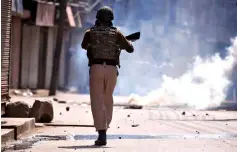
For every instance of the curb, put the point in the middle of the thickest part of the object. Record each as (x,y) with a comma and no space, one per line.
(19,125)
(7,135)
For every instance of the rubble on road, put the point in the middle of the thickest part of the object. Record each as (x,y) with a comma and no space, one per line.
(18,109)
(17,92)
(61,101)
(39,125)
(67,108)
(25,93)
(135,125)
(55,99)
(133,107)
(183,113)
(42,111)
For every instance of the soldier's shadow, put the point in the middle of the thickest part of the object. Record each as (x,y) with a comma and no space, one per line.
(82,147)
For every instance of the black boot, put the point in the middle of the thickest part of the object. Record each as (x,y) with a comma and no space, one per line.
(102,139)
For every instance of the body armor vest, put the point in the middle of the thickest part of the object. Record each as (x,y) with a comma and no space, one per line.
(103,44)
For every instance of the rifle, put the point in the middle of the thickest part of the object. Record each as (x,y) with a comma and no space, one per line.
(133,37)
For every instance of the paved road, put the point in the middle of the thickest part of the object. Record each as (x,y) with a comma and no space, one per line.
(158,130)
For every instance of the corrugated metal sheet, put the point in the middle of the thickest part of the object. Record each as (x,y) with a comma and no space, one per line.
(30,56)
(45,14)
(70,16)
(49,63)
(15,52)
(5,47)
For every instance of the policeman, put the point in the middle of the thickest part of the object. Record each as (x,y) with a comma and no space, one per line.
(103,43)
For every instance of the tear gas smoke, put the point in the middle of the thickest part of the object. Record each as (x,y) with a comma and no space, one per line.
(204,85)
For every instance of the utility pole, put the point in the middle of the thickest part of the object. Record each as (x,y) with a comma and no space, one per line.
(58,49)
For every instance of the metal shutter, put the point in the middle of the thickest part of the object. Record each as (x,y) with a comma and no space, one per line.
(6,47)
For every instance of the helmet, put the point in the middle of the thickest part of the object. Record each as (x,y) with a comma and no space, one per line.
(105,14)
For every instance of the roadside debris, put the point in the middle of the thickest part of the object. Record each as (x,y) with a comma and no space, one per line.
(207,114)
(184,113)
(61,101)
(194,115)
(135,125)
(133,107)
(120,137)
(42,111)
(17,92)
(197,132)
(25,93)
(67,108)
(128,115)
(37,125)
(18,109)
(55,99)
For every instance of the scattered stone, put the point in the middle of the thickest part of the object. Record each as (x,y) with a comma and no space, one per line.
(60,113)
(128,115)
(42,111)
(135,125)
(34,91)
(86,111)
(207,114)
(28,92)
(118,127)
(67,108)
(55,99)
(197,132)
(61,101)
(24,94)
(183,113)
(17,92)
(39,125)
(133,107)
(194,115)
(17,109)
(226,124)
(120,137)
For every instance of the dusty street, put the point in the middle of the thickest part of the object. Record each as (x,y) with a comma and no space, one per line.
(149,129)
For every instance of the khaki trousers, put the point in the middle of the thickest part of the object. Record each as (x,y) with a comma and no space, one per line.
(102,83)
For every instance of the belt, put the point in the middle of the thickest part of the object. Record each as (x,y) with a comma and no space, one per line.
(104,62)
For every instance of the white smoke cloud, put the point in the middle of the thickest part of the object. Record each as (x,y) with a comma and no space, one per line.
(204,85)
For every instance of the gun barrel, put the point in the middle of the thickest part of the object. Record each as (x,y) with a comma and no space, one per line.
(133,37)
